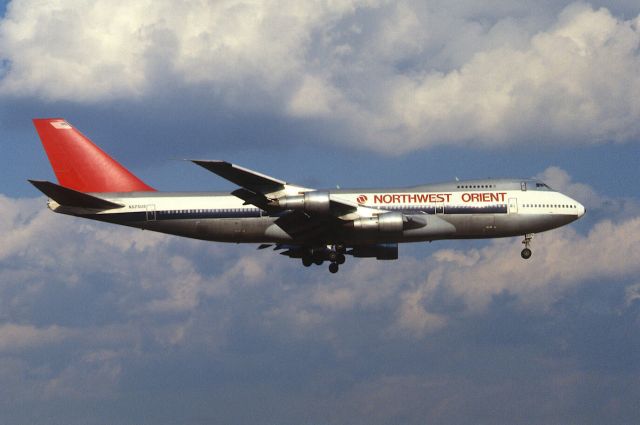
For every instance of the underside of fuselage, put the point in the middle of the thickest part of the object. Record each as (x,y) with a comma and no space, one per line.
(266,229)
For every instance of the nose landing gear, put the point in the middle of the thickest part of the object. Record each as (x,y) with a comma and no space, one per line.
(526,252)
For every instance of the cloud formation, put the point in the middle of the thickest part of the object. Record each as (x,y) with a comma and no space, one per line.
(15,337)
(103,323)
(390,76)
(99,314)
(109,304)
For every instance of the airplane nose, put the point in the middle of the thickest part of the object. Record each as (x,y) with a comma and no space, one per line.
(581,210)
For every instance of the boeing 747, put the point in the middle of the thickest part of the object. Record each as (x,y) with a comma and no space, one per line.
(315,226)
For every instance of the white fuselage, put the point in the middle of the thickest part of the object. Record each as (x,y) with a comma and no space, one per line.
(456,210)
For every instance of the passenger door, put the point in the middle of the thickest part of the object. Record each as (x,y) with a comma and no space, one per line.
(513,206)
(151,212)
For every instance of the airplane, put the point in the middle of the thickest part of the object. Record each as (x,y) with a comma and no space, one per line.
(314,226)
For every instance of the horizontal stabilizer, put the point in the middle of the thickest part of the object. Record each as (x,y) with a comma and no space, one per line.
(243,177)
(72,198)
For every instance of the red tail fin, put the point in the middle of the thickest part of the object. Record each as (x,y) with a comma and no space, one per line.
(81,165)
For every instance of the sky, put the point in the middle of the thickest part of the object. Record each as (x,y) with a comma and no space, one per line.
(103,324)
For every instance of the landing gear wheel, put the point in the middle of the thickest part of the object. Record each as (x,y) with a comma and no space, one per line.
(306,261)
(333,267)
(341,259)
(526,252)
(318,262)
(332,256)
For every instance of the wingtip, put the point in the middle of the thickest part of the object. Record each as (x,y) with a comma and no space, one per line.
(37,183)
(208,161)
(213,165)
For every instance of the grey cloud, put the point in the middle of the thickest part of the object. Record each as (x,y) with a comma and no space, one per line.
(134,325)
(391,77)
(15,337)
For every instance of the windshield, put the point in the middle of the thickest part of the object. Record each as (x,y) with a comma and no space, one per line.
(542,186)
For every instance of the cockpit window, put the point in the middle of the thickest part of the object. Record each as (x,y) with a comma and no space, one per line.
(542,186)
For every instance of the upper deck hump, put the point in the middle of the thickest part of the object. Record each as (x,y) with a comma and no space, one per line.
(452,186)
(459,186)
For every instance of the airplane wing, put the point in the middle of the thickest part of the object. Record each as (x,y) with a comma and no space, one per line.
(254,185)
(265,192)
(243,177)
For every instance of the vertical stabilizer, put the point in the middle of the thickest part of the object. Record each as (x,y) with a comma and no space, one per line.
(79,164)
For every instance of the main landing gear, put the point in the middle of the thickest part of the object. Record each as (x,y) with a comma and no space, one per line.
(336,257)
(333,254)
(526,252)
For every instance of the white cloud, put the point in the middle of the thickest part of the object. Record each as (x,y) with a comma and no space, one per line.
(91,51)
(575,82)
(154,274)
(117,303)
(412,288)
(562,260)
(15,338)
(94,376)
(314,98)
(413,318)
(632,294)
(399,75)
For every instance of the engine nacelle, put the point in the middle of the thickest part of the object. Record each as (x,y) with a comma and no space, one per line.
(385,223)
(383,251)
(311,202)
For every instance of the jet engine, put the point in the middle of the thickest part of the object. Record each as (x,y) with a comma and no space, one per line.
(316,202)
(388,222)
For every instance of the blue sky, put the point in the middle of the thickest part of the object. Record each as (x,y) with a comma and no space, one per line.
(105,324)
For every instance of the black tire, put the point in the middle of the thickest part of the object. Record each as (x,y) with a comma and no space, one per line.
(332,256)
(526,253)
(318,262)
(341,259)
(333,267)
(306,261)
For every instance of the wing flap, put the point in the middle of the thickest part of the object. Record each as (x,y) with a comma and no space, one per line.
(342,207)
(252,198)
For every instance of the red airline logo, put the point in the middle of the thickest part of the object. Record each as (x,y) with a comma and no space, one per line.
(362,199)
